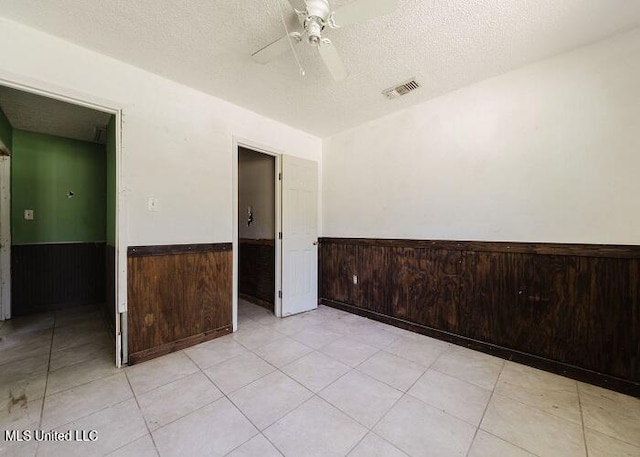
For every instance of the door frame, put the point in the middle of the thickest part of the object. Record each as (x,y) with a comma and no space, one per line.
(248,144)
(5,236)
(67,95)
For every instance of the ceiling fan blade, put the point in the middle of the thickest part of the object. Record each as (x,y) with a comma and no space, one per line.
(363,10)
(299,5)
(332,60)
(273,50)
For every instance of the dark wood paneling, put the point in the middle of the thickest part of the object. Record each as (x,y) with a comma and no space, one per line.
(178,345)
(256,271)
(53,276)
(583,250)
(110,287)
(146,251)
(256,301)
(571,305)
(177,299)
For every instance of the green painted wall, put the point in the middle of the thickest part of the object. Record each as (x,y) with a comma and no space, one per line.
(44,169)
(6,132)
(111,182)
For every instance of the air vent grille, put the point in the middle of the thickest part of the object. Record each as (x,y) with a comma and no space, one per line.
(401,89)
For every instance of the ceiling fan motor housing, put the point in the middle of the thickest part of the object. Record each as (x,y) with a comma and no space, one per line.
(315,16)
(318,12)
(314,30)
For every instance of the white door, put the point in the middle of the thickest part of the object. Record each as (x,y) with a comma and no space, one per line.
(299,235)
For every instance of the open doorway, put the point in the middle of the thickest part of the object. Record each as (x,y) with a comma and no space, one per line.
(294,187)
(59,233)
(257,229)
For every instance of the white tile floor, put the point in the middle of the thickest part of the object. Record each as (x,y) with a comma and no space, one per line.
(324,383)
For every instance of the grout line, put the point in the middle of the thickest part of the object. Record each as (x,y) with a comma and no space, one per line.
(615,438)
(104,408)
(289,362)
(81,385)
(271,442)
(181,417)
(245,441)
(78,385)
(224,395)
(313,394)
(44,397)
(508,442)
(113,451)
(135,397)
(413,361)
(46,382)
(404,394)
(369,429)
(528,405)
(475,434)
(55,326)
(584,433)
(485,411)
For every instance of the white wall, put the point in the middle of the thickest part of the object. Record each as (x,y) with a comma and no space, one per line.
(548,153)
(177,142)
(256,188)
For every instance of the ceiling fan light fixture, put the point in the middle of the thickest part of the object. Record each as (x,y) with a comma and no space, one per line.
(314,30)
(314,16)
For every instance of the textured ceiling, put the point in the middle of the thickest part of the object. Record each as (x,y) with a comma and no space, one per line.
(35,113)
(445,44)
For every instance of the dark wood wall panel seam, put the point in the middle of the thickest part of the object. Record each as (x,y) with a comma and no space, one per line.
(171,249)
(563,249)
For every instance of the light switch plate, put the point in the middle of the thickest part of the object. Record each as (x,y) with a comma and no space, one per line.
(28,214)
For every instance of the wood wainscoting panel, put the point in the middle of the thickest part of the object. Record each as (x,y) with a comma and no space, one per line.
(45,277)
(178,296)
(257,271)
(572,309)
(110,287)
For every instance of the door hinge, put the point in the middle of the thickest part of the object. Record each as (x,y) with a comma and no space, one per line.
(279,176)
(279,235)
(279,294)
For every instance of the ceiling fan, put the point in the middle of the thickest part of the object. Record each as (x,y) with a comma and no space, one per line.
(314,16)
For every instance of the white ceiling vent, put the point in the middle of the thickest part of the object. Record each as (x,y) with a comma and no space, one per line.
(401,89)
